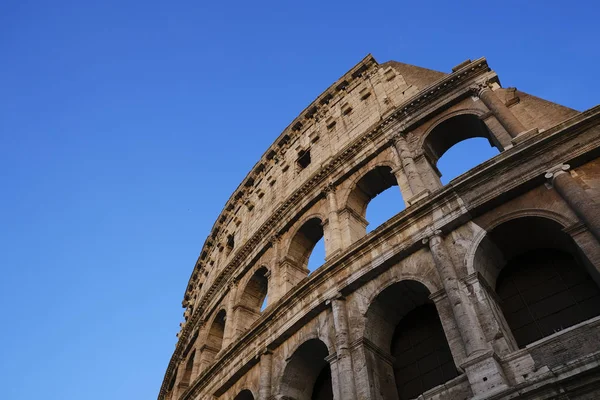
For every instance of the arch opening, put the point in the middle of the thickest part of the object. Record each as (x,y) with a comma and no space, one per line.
(544,282)
(256,291)
(252,301)
(458,144)
(404,324)
(317,256)
(214,341)
(189,367)
(463,157)
(304,242)
(375,197)
(307,375)
(244,395)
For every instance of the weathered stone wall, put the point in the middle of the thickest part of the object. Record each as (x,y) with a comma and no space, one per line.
(380,126)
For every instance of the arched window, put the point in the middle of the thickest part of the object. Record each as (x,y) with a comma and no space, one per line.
(244,395)
(458,144)
(304,242)
(214,341)
(307,375)
(373,196)
(255,292)
(252,301)
(404,326)
(189,367)
(542,279)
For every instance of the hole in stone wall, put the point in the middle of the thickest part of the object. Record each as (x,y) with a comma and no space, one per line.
(244,395)
(303,159)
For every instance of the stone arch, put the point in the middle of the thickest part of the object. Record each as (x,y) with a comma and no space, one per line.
(543,281)
(189,368)
(214,338)
(453,128)
(482,230)
(362,190)
(250,301)
(392,280)
(245,394)
(303,240)
(307,373)
(405,340)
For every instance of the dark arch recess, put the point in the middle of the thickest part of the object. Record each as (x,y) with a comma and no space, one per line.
(307,375)
(403,322)
(244,395)
(256,290)
(544,281)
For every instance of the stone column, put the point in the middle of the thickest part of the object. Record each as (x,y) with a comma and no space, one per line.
(332,359)
(275,292)
(266,362)
(579,201)
(506,118)
(468,325)
(482,365)
(410,170)
(344,358)
(335,236)
(229,331)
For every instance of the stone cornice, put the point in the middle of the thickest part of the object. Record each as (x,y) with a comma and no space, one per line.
(361,70)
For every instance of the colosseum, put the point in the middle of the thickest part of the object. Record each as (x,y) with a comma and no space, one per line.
(486,287)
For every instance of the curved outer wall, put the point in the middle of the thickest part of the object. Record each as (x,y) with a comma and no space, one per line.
(383,125)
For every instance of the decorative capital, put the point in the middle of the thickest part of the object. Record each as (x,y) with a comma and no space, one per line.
(335,296)
(556,170)
(329,188)
(434,238)
(275,239)
(478,88)
(266,352)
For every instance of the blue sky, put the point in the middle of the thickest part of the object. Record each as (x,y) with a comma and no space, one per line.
(125,126)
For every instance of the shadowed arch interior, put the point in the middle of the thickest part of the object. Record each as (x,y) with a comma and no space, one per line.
(216,332)
(403,323)
(255,291)
(244,395)
(544,282)
(189,367)
(307,375)
(304,241)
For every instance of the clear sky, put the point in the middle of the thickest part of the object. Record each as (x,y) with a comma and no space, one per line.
(125,126)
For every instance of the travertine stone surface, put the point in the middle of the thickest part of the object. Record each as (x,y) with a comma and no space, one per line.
(257,325)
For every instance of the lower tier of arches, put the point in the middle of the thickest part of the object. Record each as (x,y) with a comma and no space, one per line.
(525,308)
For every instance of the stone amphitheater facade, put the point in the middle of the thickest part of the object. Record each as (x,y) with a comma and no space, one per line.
(486,287)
